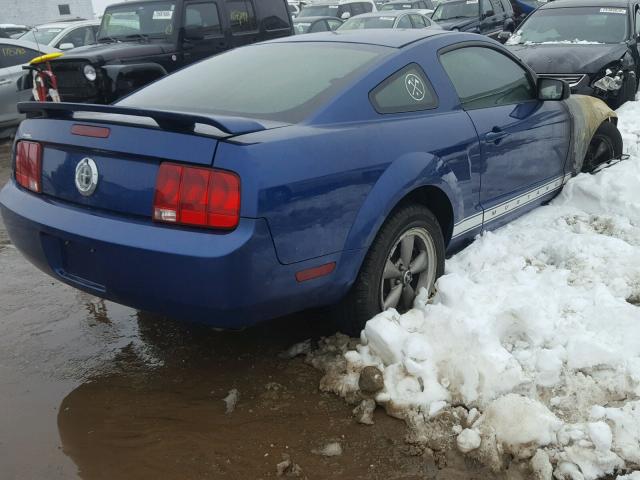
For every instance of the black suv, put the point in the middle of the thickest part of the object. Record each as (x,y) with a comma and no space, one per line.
(140,41)
(488,17)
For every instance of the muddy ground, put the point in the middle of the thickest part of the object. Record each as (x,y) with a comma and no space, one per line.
(94,390)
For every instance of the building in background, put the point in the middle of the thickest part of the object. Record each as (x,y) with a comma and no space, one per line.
(35,12)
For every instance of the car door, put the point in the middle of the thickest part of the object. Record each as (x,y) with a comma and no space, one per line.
(202,34)
(12,58)
(524,142)
(241,16)
(488,24)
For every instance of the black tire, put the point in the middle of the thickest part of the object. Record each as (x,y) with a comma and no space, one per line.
(608,137)
(364,299)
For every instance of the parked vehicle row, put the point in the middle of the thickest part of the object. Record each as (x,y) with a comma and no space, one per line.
(218,196)
(389,19)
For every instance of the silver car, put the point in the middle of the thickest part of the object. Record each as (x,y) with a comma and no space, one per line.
(13,55)
(64,35)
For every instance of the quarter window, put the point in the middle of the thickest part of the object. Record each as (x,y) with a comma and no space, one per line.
(485,78)
(242,16)
(407,90)
(202,16)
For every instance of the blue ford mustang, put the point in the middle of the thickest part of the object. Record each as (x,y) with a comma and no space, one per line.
(323,169)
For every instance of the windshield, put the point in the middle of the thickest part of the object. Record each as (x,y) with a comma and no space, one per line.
(41,35)
(396,6)
(295,79)
(584,25)
(153,20)
(358,23)
(451,10)
(319,11)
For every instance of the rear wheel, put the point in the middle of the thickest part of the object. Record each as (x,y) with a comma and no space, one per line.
(605,145)
(406,256)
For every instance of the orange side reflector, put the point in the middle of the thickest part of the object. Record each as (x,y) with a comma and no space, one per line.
(315,272)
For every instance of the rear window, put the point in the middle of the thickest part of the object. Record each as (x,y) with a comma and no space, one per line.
(294,80)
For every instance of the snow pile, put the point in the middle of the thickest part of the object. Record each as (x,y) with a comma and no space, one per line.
(535,325)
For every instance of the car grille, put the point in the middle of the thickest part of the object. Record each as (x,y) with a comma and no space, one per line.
(72,84)
(571,79)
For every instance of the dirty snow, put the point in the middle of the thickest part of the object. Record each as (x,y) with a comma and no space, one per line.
(531,347)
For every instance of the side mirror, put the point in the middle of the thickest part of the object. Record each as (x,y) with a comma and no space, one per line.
(345,16)
(503,36)
(488,13)
(67,46)
(553,89)
(193,34)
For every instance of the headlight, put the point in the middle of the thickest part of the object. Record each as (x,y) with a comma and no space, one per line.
(90,73)
(611,78)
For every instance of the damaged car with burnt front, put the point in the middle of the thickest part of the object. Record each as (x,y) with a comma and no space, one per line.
(141,41)
(590,44)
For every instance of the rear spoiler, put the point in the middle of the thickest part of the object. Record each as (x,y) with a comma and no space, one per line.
(181,122)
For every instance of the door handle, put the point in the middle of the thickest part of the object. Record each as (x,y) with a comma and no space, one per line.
(5,81)
(495,135)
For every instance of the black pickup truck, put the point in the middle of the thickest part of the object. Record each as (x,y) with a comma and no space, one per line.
(141,41)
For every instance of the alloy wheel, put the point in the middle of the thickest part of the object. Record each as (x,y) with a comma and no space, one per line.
(410,266)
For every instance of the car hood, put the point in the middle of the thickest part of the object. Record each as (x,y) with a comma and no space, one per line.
(568,58)
(114,52)
(458,23)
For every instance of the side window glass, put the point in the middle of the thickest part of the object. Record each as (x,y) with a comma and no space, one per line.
(497,6)
(319,26)
(367,7)
(486,7)
(418,21)
(638,21)
(333,24)
(485,78)
(274,15)
(202,16)
(242,15)
(407,90)
(404,22)
(79,37)
(11,56)
(357,8)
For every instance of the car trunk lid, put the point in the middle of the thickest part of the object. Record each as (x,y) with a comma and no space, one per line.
(125,146)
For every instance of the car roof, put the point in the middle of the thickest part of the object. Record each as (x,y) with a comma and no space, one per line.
(389,13)
(25,44)
(313,19)
(68,24)
(394,2)
(372,36)
(587,3)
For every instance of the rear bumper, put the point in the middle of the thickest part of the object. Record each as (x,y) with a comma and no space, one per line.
(227,280)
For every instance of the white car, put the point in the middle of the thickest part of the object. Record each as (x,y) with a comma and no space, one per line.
(13,55)
(342,9)
(64,35)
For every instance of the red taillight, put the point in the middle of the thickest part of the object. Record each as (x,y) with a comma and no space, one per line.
(29,165)
(90,131)
(197,196)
